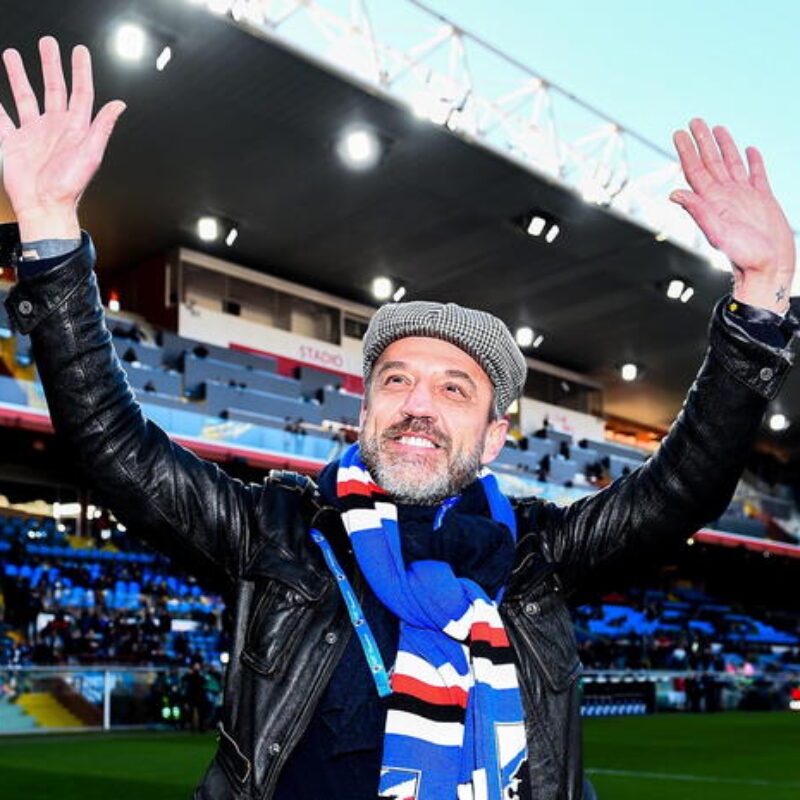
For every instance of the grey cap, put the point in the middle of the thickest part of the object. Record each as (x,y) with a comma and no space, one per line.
(479,334)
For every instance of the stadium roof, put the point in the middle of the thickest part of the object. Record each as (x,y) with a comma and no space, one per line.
(243,127)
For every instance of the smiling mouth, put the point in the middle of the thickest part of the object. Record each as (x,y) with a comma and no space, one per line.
(409,440)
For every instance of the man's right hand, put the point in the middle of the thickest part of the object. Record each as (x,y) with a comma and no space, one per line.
(49,159)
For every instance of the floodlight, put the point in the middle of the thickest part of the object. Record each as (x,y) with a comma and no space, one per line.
(629,372)
(382,288)
(208,228)
(524,336)
(130,41)
(164,57)
(358,148)
(778,422)
(675,288)
(551,235)
(536,225)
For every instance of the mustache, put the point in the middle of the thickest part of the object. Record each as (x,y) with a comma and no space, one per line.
(418,425)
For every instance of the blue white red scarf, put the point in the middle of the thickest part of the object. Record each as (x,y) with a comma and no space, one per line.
(455,723)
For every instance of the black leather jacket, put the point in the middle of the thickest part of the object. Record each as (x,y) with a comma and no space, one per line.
(291,624)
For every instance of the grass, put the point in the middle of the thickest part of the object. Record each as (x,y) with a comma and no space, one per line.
(682,757)
(733,756)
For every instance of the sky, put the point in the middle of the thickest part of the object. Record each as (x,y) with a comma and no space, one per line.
(652,66)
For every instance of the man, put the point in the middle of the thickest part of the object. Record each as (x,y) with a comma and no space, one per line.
(402,628)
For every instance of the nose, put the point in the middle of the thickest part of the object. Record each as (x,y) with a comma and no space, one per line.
(419,402)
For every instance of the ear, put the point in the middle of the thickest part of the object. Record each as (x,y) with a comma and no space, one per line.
(362,415)
(494,440)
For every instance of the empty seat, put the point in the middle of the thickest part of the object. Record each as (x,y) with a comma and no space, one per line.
(340,407)
(312,380)
(145,379)
(221,398)
(197,371)
(129,352)
(233,356)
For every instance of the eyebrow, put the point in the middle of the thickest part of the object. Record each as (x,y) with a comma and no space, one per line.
(450,373)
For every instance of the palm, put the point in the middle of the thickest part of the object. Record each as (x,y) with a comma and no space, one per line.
(744,224)
(50,158)
(736,210)
(40,162)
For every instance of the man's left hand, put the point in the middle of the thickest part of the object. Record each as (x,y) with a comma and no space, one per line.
(734,207)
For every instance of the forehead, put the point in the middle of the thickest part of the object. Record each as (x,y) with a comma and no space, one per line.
(428,355)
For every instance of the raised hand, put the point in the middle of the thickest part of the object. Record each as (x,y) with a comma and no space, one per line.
(734,207)
(49,159)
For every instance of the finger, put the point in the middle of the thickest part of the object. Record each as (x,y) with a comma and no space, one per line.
(693,169)
(702,213)
(101,130)
(730,154)
(81,101)
(758,172)
(709,152)
(55,89)
(6,124)
(27,106)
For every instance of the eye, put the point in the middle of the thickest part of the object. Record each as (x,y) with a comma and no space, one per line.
(394,379)
(454,388)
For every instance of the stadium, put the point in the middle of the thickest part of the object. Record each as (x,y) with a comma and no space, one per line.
(282,171)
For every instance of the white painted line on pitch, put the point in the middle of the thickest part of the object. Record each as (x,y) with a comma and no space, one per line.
(671,776)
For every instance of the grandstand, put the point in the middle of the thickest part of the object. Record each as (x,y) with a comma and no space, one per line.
(249,354)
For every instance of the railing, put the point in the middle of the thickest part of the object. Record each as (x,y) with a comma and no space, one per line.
(450,77)
(39,699)
(91,698)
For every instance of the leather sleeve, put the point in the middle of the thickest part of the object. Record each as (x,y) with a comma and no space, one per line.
(686,484)
(182,505)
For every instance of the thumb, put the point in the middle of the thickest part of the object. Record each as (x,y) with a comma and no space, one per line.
(102,128)
(701,212)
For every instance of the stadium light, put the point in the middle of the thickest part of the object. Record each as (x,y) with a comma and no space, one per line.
(524,336)
(675,288)
(130,42)
(680,289)
(358,148)
(233,234)
(399,294)
(382,288)
(538,340)
(629,372)
(778,422)
(164,57)
(538,223)
(113,301)
(208,229)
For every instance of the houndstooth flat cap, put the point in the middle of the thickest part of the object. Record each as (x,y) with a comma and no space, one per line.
(479,334)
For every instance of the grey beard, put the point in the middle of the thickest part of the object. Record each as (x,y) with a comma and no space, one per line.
(426,489)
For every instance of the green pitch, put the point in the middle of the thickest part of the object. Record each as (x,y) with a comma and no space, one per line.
(730,756)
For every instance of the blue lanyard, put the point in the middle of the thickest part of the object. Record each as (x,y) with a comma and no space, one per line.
(368,643)
(443,509)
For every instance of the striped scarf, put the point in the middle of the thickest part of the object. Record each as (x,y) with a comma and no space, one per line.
(454,727)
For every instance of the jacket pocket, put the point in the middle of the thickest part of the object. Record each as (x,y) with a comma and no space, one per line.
(281,615)
(236,765)
(547,630)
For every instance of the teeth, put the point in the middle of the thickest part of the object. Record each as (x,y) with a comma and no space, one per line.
(417,441)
